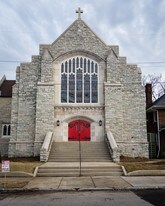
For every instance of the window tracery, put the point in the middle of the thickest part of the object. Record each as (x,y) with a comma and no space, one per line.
(79,80)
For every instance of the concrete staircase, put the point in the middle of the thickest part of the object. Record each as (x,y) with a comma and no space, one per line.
(66,169)
(69,152)
(64,161)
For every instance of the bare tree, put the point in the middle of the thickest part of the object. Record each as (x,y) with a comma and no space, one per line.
(158,85)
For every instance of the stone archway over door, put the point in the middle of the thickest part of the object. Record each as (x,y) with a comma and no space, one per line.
(79,130)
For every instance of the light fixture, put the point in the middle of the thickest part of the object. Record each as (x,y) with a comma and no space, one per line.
(58,123)
(100,123)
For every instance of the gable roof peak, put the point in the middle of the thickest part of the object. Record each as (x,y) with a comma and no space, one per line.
(79,23)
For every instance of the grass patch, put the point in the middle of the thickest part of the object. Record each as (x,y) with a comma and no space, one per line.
(23,164)
(13,184)
(133,159)
(138,163)
(133,166)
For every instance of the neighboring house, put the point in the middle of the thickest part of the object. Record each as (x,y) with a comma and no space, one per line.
(155,124)
(5,114)
(79,88)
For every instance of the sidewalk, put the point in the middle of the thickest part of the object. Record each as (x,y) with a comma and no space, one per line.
(90,183)
(95,183)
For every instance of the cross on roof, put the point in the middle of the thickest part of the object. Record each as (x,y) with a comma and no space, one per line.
(79,12)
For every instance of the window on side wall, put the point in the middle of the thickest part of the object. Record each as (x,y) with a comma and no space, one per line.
(6,129)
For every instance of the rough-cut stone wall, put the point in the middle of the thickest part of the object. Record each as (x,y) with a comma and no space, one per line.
(134,116)
(113,98)
(125,107)
(78,37)
(5,118)
(45,102)
(44,113)
(24,109)
(113,110)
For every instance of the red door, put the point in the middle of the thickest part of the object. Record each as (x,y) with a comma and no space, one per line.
(79,130)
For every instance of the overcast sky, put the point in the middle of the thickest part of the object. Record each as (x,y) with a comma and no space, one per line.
(137,26)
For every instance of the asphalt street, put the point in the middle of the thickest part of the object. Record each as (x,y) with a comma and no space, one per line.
(90,198)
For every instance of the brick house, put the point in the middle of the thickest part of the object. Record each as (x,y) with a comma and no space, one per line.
(155,124)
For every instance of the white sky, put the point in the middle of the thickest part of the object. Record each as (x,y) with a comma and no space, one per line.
(137,26)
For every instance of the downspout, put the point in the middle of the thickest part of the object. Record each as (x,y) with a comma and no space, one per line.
(158,133)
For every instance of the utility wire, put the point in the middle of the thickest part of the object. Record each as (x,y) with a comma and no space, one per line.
(18,61)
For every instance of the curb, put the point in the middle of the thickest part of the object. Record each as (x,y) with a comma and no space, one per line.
(18,190)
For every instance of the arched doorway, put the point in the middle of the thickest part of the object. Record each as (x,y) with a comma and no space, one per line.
(79,130)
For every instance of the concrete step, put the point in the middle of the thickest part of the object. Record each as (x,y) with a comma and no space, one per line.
(82,155)
(57,175)
(55,170)
(85,160)
(76,172)
(78,166)
(78,155)
(82,151)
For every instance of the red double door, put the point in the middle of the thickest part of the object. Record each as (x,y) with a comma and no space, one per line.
(79,130)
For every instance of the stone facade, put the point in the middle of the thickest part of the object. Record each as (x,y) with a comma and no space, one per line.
(5,117)
(5,114)
(36,102)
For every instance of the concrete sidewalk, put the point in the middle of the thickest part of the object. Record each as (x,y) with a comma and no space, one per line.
(94,183)
(88,183)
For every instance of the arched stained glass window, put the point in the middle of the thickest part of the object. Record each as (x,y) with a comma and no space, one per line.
(79,80)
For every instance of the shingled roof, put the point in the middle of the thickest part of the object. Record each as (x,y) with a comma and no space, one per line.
(6,88)
(159,103)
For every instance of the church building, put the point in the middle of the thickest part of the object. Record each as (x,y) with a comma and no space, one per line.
(79,89)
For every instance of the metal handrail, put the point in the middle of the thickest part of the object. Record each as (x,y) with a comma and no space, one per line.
(80,154)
